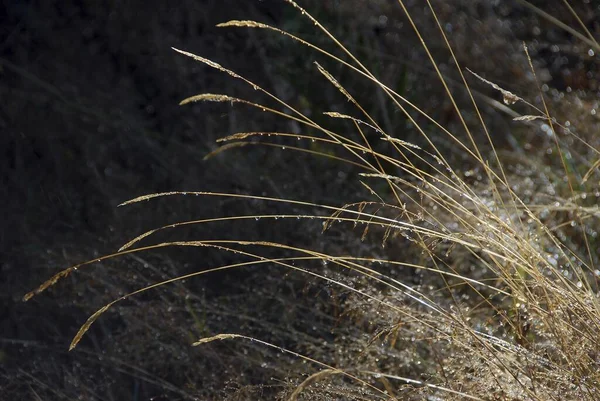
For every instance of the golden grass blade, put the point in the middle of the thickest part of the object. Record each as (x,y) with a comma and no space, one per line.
(245,135)
(373,124)
(310,380)
(529,118)
(219,98)
(421,383)
(234,218)
(218,337)
(508,97)
(225,148)
(49,283)
(284,147)
(591,170)
(66,272)
(335,114)
(335,83)
(209,97)
(86,326)
(583,26)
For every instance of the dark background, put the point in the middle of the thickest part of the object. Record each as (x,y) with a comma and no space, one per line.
(89,118)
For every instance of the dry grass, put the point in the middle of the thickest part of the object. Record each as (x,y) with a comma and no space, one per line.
(506,305)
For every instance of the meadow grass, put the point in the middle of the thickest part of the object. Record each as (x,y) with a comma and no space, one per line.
(506,307)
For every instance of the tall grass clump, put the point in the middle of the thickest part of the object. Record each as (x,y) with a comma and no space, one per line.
(484,281)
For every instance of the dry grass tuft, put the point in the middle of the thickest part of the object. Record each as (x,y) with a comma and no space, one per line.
(488,287)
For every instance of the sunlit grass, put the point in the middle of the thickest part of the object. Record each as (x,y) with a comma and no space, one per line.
(511,308)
